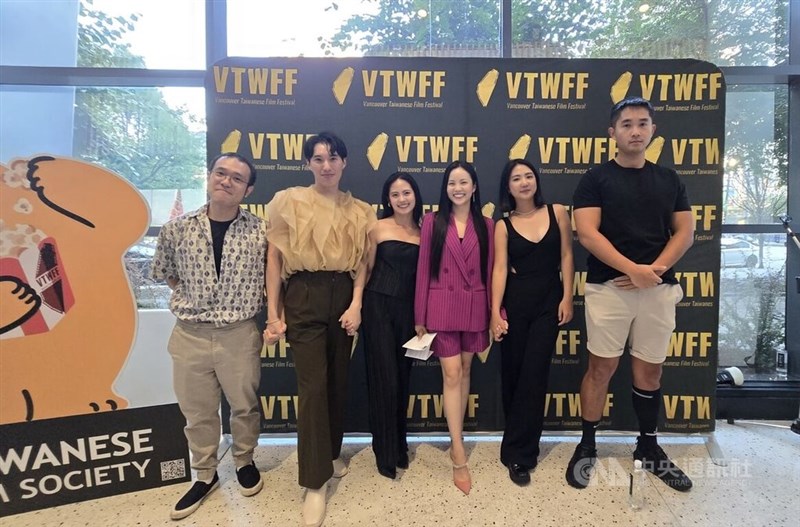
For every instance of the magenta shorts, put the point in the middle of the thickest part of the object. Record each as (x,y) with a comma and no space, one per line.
(451,343)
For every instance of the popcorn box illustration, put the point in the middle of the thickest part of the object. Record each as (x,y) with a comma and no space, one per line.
(42,293)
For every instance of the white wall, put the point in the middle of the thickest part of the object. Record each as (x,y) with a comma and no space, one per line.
(146,378)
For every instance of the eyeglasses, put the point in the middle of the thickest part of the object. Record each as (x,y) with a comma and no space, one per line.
(235,178)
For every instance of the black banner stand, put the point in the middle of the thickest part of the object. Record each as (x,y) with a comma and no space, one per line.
(786,220)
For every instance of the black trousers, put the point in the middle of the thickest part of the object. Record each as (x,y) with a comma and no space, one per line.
(525,364)
(388,322)
(321,349)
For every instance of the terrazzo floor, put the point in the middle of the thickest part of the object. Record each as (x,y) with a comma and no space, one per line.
(760,486)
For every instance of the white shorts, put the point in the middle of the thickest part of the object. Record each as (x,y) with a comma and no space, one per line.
(644,318)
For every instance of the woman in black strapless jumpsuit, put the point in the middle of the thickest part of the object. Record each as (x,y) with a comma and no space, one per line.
(388,320)
(536,303)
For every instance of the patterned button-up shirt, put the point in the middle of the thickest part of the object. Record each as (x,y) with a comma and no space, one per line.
(185,252)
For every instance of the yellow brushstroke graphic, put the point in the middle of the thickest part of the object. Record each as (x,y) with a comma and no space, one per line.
(342,84)
(231,143)
(376,150)
(620,87)
(486,86)
(654,149)
(520,148)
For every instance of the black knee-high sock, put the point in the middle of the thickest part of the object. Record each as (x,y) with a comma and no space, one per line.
(646,405)
(589,428)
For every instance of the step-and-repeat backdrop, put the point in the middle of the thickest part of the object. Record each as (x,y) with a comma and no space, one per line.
(417,115)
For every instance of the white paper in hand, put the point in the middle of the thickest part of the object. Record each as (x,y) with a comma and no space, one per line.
(420,347)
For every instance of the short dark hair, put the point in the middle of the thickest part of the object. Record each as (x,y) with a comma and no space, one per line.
(506,200)
(387,210)
(333,141)
(628,102)
(238,157)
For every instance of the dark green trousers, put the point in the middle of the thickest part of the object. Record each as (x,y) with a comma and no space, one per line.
(321,349)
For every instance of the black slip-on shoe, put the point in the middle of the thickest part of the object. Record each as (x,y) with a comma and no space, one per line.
(250,481)
(193,498)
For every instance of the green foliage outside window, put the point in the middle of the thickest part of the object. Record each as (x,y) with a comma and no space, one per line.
(131,130)
(725,32)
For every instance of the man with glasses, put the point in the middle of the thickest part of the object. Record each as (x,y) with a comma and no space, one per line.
(213,260)
(633,217)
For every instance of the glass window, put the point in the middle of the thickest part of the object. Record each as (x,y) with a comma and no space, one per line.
(727,33)
(26,25)
(36,119)
(747,32)
(149,293)
(325,28)
(752,311)
(103,33)
(756,154)
(154,137)
(258,29)
(134,33)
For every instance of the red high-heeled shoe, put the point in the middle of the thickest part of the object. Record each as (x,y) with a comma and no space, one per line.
(463,484)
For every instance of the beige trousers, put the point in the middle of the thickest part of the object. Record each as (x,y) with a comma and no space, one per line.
(208,361)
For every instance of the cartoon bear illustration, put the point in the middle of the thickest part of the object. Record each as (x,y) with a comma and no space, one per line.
(68,316)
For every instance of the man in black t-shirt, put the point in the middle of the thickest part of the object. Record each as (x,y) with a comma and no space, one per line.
(214,261)
(634,218)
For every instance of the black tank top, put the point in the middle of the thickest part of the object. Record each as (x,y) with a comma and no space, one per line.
(395,270)
(535,259)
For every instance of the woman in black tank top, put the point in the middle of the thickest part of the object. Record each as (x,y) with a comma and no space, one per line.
(388,319)
(529,303)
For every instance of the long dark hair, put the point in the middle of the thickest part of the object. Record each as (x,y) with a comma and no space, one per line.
(443,219)
(389,211)
(506,200)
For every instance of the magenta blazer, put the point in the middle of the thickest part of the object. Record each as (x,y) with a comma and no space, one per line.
(457,301)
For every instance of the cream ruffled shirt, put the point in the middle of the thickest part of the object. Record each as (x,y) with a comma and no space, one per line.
(317,233)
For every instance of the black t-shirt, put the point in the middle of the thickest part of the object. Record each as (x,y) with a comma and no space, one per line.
(636,212)
(218,230)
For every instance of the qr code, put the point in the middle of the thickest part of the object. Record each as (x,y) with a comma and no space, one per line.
(174,469)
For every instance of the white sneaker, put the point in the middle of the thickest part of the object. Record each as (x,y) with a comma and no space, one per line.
(339,468)
(314,506)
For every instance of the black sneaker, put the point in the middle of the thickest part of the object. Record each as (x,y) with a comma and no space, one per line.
(655,460)
(192,499)
(581,466)
(519,474)
(249,479)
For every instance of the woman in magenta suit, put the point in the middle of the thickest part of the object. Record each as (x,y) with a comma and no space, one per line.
(452,296)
